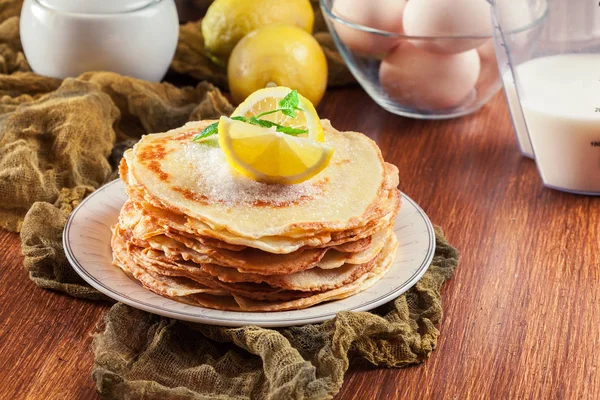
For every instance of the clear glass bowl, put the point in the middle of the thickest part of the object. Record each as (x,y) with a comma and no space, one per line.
(408,75)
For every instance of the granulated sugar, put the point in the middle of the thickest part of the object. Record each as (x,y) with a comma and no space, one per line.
(220,183)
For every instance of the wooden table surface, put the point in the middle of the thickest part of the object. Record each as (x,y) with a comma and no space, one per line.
(521,314)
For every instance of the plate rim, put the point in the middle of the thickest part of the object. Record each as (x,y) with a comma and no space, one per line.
(212,320)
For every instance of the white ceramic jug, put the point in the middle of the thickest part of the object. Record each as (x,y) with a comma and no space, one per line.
(63,38)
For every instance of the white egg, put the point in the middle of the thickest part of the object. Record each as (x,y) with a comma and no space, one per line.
(487,51)
(517,15)
(423,80)
(489,77)
(445,19)
(385,15)
(489,64)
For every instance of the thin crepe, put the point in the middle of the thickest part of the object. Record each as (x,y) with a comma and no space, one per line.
(193,179)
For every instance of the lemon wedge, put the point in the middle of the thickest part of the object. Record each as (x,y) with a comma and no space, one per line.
(267,153)
(268,156)
(267,99)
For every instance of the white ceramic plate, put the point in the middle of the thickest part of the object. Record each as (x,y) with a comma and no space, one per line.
(86,240)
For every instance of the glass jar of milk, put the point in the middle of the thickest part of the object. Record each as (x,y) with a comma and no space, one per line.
(549,56)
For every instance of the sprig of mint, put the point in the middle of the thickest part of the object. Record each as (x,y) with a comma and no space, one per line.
(287,106)
(278,128)
(212,129)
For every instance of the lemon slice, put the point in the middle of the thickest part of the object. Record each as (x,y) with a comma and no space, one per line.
(268,156)
(267,99)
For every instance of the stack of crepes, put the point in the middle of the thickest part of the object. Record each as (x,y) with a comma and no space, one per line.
(198,232)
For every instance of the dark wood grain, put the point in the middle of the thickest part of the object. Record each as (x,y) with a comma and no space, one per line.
(191,10)
(522,313)
(44,336)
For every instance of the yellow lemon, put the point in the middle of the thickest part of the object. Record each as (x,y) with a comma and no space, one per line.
(278,55)
(268,154)
(227,21)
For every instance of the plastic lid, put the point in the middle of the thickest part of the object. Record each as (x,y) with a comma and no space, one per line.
(96,6)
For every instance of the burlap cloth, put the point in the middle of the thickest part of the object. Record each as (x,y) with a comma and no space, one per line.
(60,140)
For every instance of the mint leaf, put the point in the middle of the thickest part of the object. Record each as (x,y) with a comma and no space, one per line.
(213,129)
(290,131)
(289,112)
(206,132)
(289,104)
(279,128)
(290,101)
(261,122)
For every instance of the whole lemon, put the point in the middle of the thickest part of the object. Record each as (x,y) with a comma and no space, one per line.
(227,21)
(278,55)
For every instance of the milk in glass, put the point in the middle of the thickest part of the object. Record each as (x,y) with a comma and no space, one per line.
(560,99)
